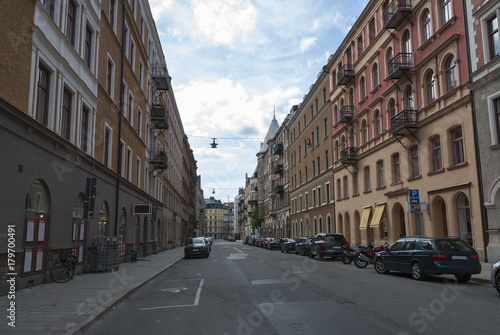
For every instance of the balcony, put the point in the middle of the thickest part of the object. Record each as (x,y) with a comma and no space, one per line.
(400,64)
(252,202)
(159,116)
(346,114)
(345,75)
(160,76)
(158,158)
(405,120)
(277,149)
(278,189)
(273,212)
(278,168)
(396,12)
(349,155)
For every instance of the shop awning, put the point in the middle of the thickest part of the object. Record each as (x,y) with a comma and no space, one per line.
(365,217)
(377,216)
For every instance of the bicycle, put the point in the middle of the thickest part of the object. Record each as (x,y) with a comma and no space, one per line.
(63,271)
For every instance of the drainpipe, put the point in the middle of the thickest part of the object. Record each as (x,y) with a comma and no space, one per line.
(484,217)
(120,115)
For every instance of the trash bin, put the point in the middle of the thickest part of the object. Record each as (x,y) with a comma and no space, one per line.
(133,255)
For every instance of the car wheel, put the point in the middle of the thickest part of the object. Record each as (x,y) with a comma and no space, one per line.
(463,278)
(379,266)
(310,254)
(416,271)
(497,283)
(282,250)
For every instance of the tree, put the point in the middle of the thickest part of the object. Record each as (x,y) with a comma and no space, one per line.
(255,217)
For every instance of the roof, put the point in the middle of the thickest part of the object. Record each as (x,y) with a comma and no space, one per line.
(271,132)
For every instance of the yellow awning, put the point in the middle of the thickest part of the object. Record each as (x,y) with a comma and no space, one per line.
(365,217)
(377,216)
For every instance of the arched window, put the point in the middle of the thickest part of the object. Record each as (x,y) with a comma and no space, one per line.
(375,75)
(352,142)
(364,132)
(431,87)
(337,153)
(426,25)
(351,97)
(406,42)
(103,219)
(335,114)
(342,143)
(388,57)
(362,89)
(451,77)
(409,98)
(378,123)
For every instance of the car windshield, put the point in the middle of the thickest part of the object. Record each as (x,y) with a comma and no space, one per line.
(452,245)
(338,239)
(198,240)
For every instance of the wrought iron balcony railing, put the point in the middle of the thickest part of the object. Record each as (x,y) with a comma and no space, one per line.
(345,75)
(406,119)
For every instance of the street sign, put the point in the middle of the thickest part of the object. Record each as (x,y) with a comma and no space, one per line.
(414,202)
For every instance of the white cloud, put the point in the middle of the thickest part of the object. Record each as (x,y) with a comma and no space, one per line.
(307,42)
(224,21)
(160,6)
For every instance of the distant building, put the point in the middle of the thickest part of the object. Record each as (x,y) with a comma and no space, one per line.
(217,218)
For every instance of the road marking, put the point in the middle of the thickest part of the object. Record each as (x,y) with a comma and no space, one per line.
(196,300)
(266,281)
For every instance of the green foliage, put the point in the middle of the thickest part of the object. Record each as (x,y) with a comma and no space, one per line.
(255,217)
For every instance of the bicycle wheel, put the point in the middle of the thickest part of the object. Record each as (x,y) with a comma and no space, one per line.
(62,272)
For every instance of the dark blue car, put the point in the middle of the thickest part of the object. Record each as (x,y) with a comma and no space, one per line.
(421,256)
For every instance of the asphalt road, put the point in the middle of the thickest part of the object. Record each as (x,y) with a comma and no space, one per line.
(247,290)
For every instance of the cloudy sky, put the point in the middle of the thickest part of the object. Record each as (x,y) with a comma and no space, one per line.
(234,62)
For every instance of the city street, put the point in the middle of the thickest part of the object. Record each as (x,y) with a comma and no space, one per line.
(247,290)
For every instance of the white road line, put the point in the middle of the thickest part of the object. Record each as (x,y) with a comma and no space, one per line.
(196,300)
(198,293)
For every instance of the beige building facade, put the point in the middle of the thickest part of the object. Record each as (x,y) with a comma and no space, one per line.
(402,121)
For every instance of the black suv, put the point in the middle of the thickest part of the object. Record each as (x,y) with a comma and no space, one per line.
(329,245)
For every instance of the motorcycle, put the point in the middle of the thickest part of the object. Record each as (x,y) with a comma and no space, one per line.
(347,255)
(366,256)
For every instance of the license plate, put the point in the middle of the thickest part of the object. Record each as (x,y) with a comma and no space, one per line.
(459,258)
(196,249)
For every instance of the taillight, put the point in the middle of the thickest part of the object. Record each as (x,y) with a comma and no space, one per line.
(346,244)
(438,257)
(474,258)
(325,244)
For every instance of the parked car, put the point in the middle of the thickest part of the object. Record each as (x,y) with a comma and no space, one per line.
(257,241)
(302,245)
(421,256)
(246,240)
(495,276)
(196,246)
(251,241)
(329,245)
(287,245)
(274,243)
(265,242)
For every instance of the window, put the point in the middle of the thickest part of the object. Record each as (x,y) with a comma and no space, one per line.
(139,121)
(84,128)
(318,165)
(431,87)
(409,98)
(141,73)
(327,193)
(314,168)
(124,95)
(71,22)
(125,43)
(317,105)
(415,171)
(426,25)
(451,79)
(325,127)
(493,37)
(378,123)
(346,187)
(49,7)
(372,30)
(335,114)
(326,160)
(112,14)
(375,75)
(132,54)
(324,96)
(445,11)
(380,171)
(87,53)
(436,153)
(367,179)
(355,188)
(458,146)
(130,108)
(360,45)
(129,164)
(42,106)
(319,196)
(496,106)
(406,42)
(339,189)
(110,74)
(317,135)
(392,108)
(396,164)
(362,89)
(66,114)
(307,201)
(364,132)
(107,147)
